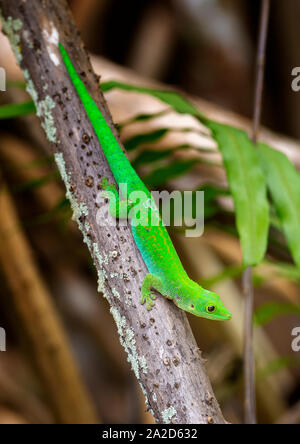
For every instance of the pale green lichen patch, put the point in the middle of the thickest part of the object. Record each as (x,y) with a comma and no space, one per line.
(12,28)
(127,339)
(79,209)
(115,275)
(30,86)
(43,108)
(168,414)
(116,293)
(101,260)
(100,269)
(128,298)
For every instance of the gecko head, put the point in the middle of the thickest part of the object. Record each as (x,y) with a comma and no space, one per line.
(203,303)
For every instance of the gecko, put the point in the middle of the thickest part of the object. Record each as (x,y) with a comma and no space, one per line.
(167,275)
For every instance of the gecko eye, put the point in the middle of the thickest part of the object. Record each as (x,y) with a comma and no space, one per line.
(210,308)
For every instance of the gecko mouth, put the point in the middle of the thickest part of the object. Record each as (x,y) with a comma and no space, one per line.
(214,317)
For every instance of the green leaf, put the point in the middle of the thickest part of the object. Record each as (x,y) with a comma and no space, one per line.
(283,181)
(248,189)
(16,110)
(144,138)
(171,98)
(245,179)
(150,156)
(162,175)
(211,192)
(143,118)
(267,312)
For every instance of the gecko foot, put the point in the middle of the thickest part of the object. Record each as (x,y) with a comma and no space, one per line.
(149,299)
(150,282)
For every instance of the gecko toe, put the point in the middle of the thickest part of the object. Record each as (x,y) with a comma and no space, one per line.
(149,300)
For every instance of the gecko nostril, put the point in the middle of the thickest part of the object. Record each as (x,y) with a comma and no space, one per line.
(192,306)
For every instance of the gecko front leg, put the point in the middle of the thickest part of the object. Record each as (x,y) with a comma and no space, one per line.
(118,209)
(150,283)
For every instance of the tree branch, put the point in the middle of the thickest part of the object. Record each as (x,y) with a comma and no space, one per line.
(160,345)
(249,359)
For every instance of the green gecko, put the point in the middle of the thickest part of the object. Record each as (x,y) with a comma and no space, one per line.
(166,273)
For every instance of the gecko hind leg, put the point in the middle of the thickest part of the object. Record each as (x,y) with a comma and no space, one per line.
(150,282)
